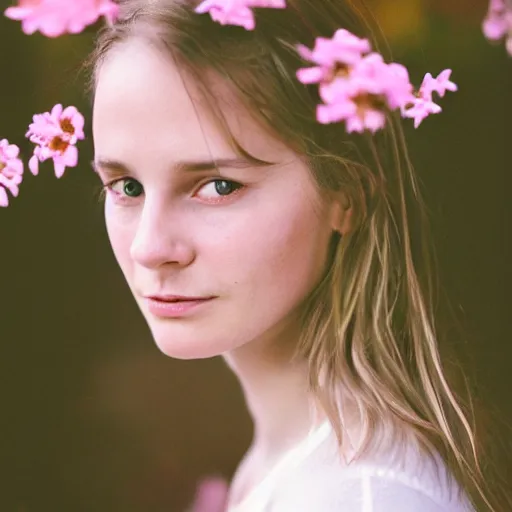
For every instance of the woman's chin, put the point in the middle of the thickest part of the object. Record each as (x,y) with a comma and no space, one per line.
(186,347)
(196,340)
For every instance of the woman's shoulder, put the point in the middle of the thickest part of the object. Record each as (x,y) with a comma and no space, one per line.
(401,480)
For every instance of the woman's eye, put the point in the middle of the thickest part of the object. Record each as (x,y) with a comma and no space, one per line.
(216,189)
(126,187)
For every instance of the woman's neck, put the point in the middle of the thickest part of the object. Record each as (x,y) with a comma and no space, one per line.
(276,394)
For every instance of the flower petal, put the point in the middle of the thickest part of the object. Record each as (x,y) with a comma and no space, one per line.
(33,165)
(310,75)
(59,167)
(4,199)
(70,156)
(18,13)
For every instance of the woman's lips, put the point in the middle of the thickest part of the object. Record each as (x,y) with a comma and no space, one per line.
(175,307)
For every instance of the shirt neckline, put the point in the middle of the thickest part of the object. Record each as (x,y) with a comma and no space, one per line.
(260,493)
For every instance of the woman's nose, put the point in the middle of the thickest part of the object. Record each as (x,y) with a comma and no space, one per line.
(161,239)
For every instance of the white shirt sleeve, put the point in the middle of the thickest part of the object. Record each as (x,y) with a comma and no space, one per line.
(383,495)
(369,493)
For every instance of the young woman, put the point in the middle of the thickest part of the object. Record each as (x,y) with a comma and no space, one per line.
(245,228)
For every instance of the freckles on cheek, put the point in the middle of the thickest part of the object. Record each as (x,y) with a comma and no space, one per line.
(282,245)
(293,245)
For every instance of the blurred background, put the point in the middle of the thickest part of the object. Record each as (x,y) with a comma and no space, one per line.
(93,417)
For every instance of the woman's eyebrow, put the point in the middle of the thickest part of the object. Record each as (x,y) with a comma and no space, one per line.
(114,167)
(110,168)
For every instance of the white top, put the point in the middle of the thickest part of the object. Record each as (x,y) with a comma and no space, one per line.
(310,478)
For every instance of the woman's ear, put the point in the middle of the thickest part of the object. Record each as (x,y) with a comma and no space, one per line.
(341,213)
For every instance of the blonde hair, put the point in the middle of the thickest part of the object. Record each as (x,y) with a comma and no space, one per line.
(369,325)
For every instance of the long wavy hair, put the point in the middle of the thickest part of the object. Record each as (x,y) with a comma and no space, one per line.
(369,326)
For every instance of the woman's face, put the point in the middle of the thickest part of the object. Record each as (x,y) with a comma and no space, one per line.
(215,258)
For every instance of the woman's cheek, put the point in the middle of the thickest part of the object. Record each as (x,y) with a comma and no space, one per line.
(121,226)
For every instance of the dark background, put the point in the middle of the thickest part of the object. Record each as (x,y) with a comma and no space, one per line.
(93,417)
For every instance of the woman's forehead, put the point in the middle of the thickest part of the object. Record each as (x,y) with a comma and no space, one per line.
(141,94)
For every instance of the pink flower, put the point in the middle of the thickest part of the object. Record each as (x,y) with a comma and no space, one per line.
(498,23)
(422,105)
(420,109)
(333,57)
(359,89)
(236,12)
(211,495)
(56,17)
(441,84)
(356,86)
(56,133)
(11,171)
